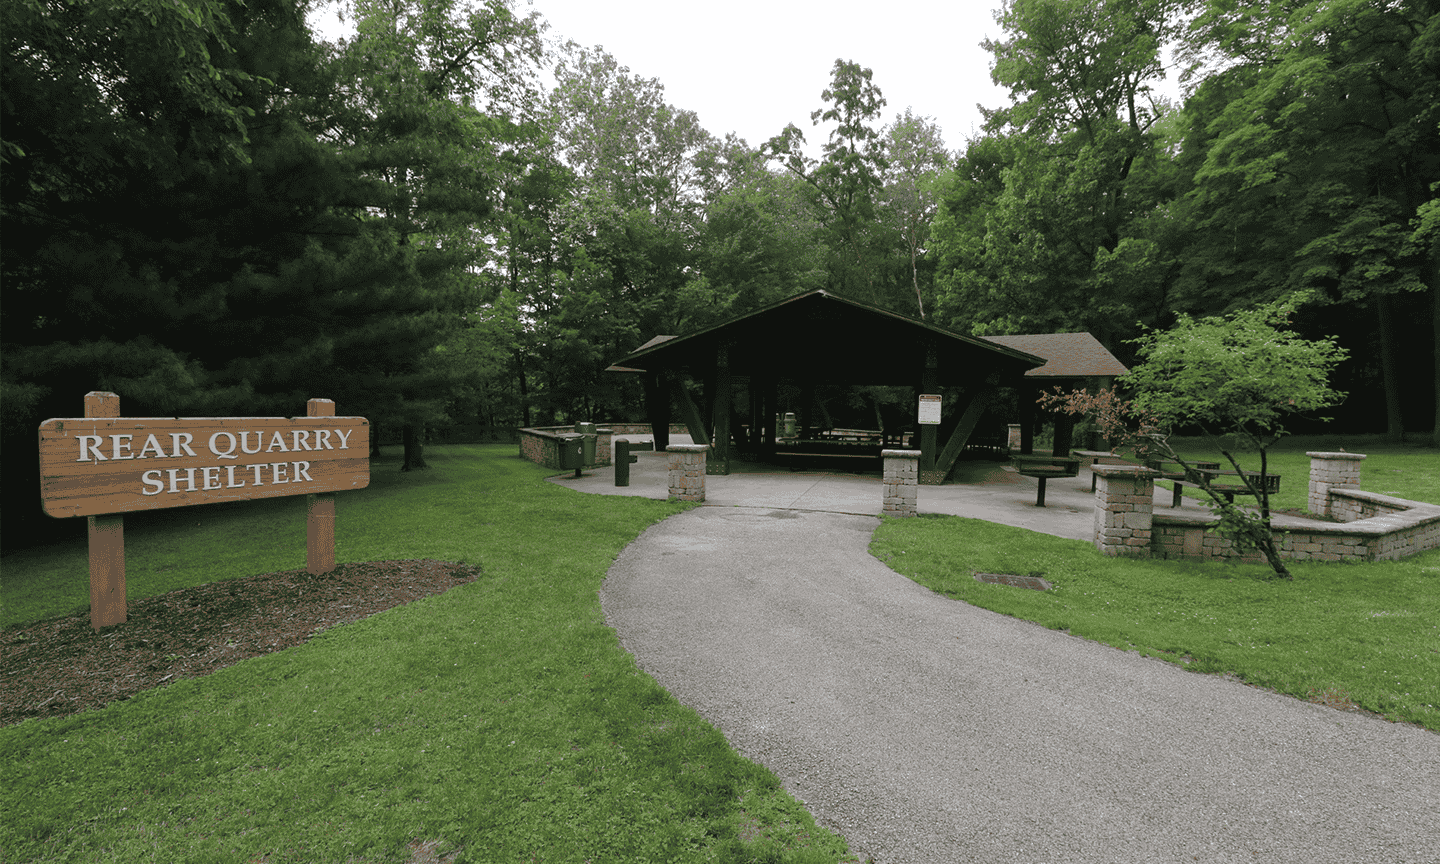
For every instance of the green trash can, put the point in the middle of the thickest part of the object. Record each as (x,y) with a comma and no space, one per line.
(591,436)
(572,452)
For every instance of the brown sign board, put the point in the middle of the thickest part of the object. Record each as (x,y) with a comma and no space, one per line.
(94,466)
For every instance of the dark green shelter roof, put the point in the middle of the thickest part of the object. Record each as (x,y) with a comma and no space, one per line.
(825,338)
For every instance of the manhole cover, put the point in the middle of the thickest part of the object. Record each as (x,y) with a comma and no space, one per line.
(1033,581)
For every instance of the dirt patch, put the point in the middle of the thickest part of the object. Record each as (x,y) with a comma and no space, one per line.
(61,666)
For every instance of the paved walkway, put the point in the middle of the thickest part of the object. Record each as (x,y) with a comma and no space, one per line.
(926,730)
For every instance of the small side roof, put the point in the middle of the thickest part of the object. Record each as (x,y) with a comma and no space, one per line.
(1067,355)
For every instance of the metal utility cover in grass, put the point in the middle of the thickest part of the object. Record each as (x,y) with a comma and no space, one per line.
(1033,582)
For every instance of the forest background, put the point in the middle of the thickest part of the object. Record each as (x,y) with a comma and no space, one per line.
(445,220)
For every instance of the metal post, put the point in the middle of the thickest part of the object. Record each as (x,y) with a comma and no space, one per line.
(623,461)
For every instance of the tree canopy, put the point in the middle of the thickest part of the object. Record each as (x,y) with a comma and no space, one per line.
(209,210)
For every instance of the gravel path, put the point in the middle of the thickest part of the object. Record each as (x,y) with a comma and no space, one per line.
(926,730)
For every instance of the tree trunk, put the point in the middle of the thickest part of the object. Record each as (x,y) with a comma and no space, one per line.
(524,390)
(915,278)
(1435,321)
(414,437)
(1389,374)
(374,439)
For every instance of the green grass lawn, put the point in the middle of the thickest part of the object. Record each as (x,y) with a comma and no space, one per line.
(501,719)
(1361,634)
(1367,634)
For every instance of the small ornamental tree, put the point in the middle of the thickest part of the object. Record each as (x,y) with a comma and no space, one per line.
(1238,379)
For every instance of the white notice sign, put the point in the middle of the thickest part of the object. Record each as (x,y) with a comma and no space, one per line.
(930,410)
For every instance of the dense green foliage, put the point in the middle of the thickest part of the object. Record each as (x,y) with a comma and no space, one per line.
(1304,157)
(500,720)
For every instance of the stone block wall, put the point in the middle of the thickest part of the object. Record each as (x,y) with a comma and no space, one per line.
(540,449)
(645,428)
(1371,527)
(541,444)
(687,471)
(1350,505)
(900,482)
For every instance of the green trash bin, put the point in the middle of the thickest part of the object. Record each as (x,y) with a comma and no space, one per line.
(591,436)
(572,452)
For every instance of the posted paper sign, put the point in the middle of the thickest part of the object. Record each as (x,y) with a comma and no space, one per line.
(93,466)
(930,410)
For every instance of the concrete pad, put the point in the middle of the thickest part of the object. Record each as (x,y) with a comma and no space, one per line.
(985,490)
(989,491)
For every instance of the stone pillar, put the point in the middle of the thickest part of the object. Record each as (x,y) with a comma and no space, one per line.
(602,446)
(1012,441)
(687,471)
(1124,509)
(901,482)
(1328,470)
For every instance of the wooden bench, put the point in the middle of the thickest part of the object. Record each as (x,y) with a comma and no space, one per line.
(1043,468)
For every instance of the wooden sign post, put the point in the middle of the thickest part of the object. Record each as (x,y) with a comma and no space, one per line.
(104,465)
(107,540)
(320,510)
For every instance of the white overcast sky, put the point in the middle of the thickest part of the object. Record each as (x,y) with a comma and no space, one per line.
(750,67)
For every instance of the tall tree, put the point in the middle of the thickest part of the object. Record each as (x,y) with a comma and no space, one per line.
(417,74)
(917,161)
(1317,146)
(1064,193)
(622,230)
(759,241)
(845,184)
(197,218)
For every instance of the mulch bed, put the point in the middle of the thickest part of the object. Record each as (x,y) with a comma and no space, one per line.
(61,666)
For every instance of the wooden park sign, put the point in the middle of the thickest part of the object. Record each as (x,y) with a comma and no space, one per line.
(104,465)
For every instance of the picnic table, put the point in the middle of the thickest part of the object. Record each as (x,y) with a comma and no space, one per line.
(1220,481)
(1043,468)
(1236,486)
(1100,457)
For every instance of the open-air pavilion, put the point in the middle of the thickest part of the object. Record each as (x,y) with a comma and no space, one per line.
(818,338)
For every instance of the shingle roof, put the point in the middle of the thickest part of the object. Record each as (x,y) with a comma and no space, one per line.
(1069,355)
(827,338)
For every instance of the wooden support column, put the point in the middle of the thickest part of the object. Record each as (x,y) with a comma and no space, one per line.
(657,409)
(689,413)
(768,412)
(1026,395)
(320,511)
(929,383)
(1064,433)
(807,409)
(107,540)
(719,461)
(978,403)
(757,415)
